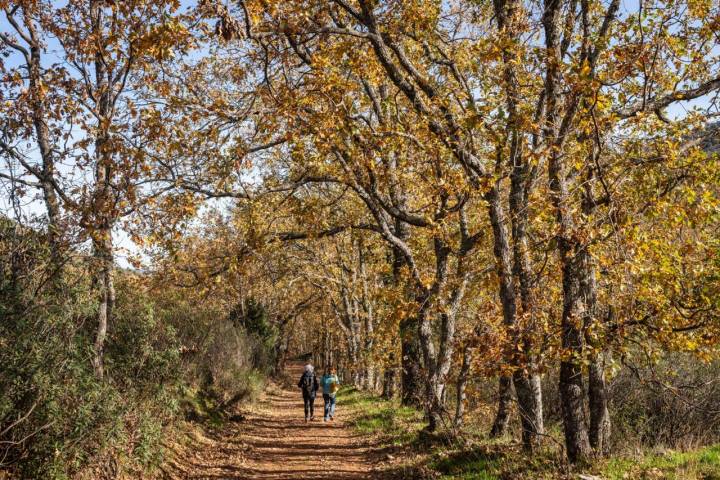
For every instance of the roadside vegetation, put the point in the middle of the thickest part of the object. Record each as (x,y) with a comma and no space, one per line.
(169,357)
(405,452)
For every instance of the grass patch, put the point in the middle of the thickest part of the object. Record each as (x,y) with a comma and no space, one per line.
(213,407)
(498,459)
(394,424)
(700,464)
(201,408)
(463,465)
(495,461)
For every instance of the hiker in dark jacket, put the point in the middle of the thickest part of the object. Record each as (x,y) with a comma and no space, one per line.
(309,385)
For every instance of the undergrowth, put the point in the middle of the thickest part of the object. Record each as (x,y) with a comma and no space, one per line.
(398,429)
(393,423)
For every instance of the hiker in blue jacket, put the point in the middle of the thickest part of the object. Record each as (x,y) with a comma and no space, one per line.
(309,385)
(330,384)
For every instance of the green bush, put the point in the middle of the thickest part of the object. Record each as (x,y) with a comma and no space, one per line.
(57,419)
(73,419)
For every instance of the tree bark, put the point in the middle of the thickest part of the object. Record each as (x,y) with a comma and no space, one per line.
(281,347)
(106,298)
(600,425)
(529,396)
(525,377)
(411,383)
(438,358)
(389,385)
(103,196)
(462,380)
(46,175)
(431,399)
(503,265)
(572,394)
(411,371)
(597,392)
(502,417)
(369,322)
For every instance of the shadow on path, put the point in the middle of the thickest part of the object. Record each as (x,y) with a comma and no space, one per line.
(274,442)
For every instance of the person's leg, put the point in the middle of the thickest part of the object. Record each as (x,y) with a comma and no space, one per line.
(332,408)
(306,404)
(312,408)
(326,399)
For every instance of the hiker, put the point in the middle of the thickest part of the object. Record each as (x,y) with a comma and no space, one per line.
(330,384)
(309,385)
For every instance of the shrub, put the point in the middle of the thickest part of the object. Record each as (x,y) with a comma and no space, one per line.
(57,420)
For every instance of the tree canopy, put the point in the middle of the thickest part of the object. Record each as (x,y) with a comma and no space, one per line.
(423,192)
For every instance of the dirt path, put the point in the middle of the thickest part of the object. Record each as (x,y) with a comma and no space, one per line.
(274,442)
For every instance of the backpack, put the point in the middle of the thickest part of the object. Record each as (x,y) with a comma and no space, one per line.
(307,383)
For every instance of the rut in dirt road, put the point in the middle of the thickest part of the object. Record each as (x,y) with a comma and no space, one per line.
(274,442)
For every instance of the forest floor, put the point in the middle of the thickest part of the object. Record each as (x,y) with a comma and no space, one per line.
(273,441)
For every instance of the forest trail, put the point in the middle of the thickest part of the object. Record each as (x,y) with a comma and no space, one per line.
(274,442)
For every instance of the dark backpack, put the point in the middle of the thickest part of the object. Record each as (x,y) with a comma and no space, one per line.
(307,383)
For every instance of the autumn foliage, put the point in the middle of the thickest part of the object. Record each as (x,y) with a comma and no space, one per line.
(449,200)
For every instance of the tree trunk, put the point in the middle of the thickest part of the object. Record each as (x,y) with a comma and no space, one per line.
(571,397)
(462,380)
(369,322)
(103,200)
(525,377)
(411,371)
(369,379)
(281,347)
(529,395)
(437,359)
(389,384)
(597,393)
(599,415)
(431,399)
(508,14)
(502,417)
(46,175)
(501,250)
(434,407)
(600,425)
(327,347)
(105,283)
(411,383)
(572,393)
